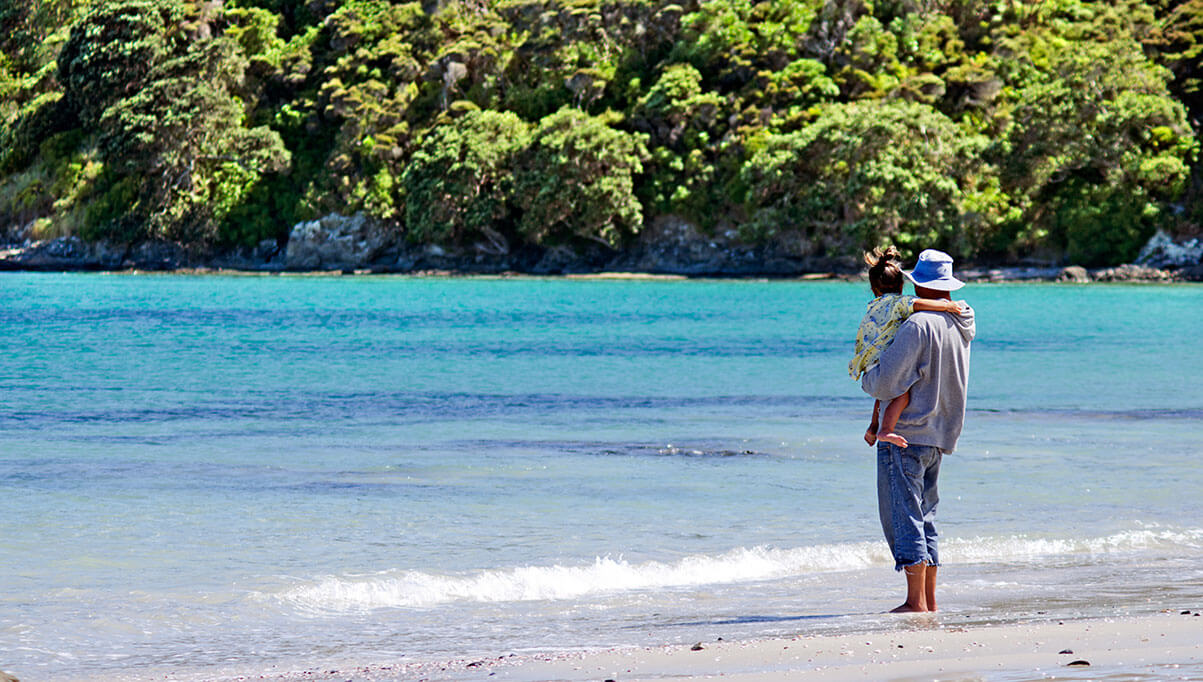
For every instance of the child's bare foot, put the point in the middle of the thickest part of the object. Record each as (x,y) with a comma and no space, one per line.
(870,436)
(894,438)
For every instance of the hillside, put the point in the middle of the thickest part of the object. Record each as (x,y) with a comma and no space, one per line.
(505,131)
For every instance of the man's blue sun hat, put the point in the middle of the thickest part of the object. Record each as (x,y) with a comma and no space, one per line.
(934,271)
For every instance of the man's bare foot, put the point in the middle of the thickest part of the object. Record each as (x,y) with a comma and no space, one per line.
(871,437)
(907,608)
(893,438)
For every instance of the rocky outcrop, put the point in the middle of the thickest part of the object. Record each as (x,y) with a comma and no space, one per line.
(1070,274)
(73,253)
(1193,273)
(65,254)
(1131,273)
(565,260)
(1023,273)
(338,242)
(266,256)
(670,245)
(1162,252)
(1074,273)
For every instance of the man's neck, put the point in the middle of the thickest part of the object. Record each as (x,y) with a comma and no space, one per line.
(923,292)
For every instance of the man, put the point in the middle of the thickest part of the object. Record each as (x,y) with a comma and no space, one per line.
(930,358)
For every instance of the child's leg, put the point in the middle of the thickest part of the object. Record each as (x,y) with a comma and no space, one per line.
(871,432)
(889,419)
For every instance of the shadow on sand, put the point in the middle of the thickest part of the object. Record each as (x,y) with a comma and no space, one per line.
(747,620)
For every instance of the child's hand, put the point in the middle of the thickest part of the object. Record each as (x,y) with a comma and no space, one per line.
(957,307)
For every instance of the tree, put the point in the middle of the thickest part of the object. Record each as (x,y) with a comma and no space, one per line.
(29,31)
(866,173)
(1090,124)
(158,97)
(576,180)
(458,182)
(182,133)
(113,48)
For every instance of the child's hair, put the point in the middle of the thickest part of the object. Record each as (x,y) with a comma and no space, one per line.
(884,274)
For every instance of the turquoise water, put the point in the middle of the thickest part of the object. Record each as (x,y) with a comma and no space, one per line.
(213,476)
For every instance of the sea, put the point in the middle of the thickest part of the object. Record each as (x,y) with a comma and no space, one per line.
(209,476)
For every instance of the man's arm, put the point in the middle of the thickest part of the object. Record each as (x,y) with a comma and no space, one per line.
(898,367)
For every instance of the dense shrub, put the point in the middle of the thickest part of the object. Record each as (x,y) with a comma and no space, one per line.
(576,180)
(458,184)
(868,173)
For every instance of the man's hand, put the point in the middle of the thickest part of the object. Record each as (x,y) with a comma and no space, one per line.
(871,434)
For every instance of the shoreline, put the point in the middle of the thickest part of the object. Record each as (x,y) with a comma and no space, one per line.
(1166,645)
(1123,274)
(1161,261)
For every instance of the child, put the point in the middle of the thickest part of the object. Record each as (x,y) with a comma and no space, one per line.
(885,314)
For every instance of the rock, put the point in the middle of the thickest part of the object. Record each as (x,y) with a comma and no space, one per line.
(155,255)
(669,245)
(1193,273)
(266,256)
(18,233)
(566,260)
(1131,273)
(1010,274)
(1066,651)
(338,242)
(267,250)
(697,647)
(1162,252)
(63,253)
(1073,273)
(1078,663)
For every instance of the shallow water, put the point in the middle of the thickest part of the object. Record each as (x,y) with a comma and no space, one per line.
(225,474)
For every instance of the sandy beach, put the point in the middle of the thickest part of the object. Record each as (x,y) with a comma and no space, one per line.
(1166,646)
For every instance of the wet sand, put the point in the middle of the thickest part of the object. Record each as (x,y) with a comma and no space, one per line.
(1167,646)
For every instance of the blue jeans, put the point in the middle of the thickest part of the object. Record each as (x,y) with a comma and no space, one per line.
(906,501)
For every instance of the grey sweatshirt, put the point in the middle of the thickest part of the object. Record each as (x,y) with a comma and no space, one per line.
(929,357)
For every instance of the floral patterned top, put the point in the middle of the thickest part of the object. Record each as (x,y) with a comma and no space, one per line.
(877,329)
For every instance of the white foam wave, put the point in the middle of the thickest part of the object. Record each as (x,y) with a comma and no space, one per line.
(1021,548)
(604,576)
(415,589)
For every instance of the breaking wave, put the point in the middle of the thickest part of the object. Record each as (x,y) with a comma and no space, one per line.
(607,575)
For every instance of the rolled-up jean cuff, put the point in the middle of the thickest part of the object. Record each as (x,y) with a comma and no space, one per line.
(901,567)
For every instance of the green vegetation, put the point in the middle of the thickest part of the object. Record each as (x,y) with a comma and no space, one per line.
(995,129)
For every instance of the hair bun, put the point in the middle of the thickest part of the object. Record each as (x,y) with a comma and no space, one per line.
(878,257)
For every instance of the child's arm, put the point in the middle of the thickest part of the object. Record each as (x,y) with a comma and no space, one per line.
(938,305)
(871,432)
